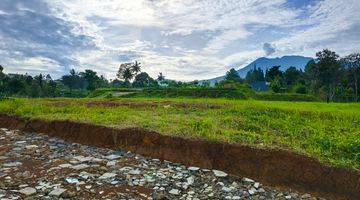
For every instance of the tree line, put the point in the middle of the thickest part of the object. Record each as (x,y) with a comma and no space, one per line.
(329,77)
(79,84)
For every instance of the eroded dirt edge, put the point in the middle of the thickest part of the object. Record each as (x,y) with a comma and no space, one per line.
(271,166)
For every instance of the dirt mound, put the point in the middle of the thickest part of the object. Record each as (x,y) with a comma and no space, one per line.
(271,166)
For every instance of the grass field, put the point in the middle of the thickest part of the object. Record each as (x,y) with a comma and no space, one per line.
(329,132)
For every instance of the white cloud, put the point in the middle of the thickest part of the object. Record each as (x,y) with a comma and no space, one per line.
(195,39)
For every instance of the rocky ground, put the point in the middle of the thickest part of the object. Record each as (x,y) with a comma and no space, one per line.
(35,166)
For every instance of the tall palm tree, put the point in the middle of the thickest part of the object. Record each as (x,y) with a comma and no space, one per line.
(136,68)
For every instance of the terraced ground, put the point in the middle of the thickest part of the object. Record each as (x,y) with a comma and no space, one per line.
(328,132)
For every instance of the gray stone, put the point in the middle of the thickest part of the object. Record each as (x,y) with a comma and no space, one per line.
(248,180)
(72,180)
(219,173)
(28,191)
(12,164)
(107,176)
(226,189)
(193,168)
(57,192)
(67,165)
(174,191)
(112,157)
(135,172)
(80,166)
(111,163)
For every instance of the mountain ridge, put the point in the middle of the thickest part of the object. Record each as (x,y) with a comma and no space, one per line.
(264,63)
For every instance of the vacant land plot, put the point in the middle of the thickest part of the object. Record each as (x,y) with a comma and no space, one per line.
(329,132)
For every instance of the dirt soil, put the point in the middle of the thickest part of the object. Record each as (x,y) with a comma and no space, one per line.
(274,167)
(142,104)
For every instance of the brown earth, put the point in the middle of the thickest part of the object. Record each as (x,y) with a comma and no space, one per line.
(275,167)
(142,104)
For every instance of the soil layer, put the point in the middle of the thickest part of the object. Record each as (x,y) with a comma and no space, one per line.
(275,167)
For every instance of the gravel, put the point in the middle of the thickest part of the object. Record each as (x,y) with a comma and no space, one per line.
(38,167)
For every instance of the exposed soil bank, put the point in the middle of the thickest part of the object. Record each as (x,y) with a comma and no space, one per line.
(114,104)
(274,167)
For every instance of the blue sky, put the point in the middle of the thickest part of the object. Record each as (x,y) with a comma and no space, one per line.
(184,39)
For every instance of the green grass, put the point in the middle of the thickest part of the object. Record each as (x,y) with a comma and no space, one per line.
(328,132)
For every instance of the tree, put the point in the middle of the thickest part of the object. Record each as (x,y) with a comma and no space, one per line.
(136,68)
(272,73)
(91,78)
(2,84)
(73,81)
(255,75)
(232,75)
(300,88)
(353,63)
(117,83)
(40,80)
(329,72)
(35,89)
(292,75)
(311,75)
(128,70)
(277,84)
(144,80)
(205,84)
(161,77)
(15,85)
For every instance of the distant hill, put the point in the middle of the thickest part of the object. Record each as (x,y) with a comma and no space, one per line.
(264,63)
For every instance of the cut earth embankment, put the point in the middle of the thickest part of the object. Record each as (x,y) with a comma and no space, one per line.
(272,166)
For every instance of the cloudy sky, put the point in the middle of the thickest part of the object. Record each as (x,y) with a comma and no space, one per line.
(184,39)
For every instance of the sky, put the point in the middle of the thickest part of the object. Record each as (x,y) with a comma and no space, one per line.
(183,39)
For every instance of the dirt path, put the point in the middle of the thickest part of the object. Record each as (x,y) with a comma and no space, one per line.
(38,167)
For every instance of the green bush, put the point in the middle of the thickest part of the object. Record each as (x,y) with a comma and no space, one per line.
(233,93)
(284,97)
(300,89)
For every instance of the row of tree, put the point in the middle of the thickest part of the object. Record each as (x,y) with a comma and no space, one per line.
(328,76)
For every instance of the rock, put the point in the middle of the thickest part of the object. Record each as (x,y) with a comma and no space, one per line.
(219,173)
(252,191)
(226,189)
(305,196)
(256,185)
(174,191)
(28,191)
(193,168)
(12,164)
(111,163)
(248,180)
(80,166)
(31,147)
(112,157)
(72,180)
(57,192)
(261,190)
(107,176)
(67,165)
(135,172)
(190,180)
(85,175)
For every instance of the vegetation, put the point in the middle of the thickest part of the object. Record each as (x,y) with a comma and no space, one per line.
(328,78)
(327,131)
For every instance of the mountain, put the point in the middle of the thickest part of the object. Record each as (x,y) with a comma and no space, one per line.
(265,63)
